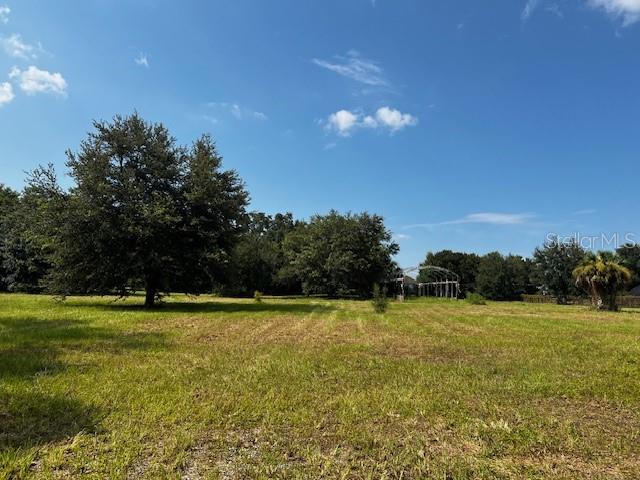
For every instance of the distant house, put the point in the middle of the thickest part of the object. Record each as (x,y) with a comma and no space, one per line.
(635,291)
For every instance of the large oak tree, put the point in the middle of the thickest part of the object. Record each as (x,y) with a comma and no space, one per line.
(145,213)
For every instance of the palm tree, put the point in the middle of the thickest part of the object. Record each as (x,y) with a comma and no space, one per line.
(603,278)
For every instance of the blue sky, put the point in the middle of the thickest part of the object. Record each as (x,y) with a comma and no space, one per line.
(469,125)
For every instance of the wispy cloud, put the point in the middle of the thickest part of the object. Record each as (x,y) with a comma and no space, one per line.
(399,237)
(346,122)
(259,116)
(142,60)
(355,67)
(4,14)
(15,47)
(627,10)
(586,211)
(6,93)
(555,9)
(532,5)
(488,218)
(237,111)
(33,81)
(529,8)
(210,119)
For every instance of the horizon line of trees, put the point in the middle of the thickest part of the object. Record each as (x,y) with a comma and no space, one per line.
(144,213)
(556,268)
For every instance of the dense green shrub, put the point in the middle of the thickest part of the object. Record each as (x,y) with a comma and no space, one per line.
(380,301)
(475,299)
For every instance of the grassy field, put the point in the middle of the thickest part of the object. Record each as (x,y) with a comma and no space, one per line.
(307,388)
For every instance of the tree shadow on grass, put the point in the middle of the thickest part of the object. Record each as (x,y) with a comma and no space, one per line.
(216,307)
(29,419)
(34,335)
(22,362)
(31,347)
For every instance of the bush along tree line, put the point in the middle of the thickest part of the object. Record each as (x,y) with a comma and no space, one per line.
(145,213)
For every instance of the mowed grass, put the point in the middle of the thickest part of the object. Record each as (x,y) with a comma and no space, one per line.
(306,388)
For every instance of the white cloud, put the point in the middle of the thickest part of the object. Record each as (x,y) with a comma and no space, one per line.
(394,119)
(342,122)
(356,68)
(628,10)
(6,93)
(488,218)
(4,13)
(33,80)
(345,122)
(142,60)
(15,47)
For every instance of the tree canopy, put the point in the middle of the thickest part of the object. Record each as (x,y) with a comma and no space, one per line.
(259,256)
(9,201)
(24,241)
(145,212)
(340,255)
(503,277)
(629,256)
(555,262)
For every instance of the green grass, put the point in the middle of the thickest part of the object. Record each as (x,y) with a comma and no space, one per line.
(310,388)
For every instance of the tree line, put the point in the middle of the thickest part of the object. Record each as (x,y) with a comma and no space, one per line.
(144,213)
(557,268)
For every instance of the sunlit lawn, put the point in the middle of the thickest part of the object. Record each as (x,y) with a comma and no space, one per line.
(308,388)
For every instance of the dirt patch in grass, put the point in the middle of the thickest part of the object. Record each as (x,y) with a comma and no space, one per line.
(566,467)
(231,455)
(598,425)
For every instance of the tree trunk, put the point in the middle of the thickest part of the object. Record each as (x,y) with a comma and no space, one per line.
(150,297)
(612,302)
(595,298)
